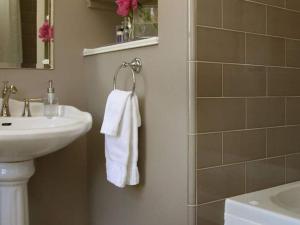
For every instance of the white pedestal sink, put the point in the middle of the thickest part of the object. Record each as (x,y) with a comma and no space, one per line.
(24,139)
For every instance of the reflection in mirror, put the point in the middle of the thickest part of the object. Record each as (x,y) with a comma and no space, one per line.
(26,34)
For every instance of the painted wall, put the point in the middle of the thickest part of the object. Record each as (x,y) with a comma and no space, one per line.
(57,192)
(161,198)
(248,101)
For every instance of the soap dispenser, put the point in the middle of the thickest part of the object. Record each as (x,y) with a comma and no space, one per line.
(51,102)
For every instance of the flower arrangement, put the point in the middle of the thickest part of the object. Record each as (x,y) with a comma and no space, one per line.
(126,7)
(140,20)
(46,32)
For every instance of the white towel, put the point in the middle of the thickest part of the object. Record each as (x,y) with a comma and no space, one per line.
(120,126)
(114,111)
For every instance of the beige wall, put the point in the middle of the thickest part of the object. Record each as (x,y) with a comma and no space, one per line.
(248,101)
(58,189)
(161,198)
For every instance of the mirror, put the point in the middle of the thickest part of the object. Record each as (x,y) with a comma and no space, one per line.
(26,34)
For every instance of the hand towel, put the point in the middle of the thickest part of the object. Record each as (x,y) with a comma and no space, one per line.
(114,111)
(120,126)
(132,169)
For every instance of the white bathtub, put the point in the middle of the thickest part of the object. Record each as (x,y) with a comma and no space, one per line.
(275,206)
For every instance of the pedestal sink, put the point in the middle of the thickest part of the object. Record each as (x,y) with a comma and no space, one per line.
(22,139)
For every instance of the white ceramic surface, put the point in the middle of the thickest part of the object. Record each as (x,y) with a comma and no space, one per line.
(13,192)
(32,137)
(24,139)
(275,206)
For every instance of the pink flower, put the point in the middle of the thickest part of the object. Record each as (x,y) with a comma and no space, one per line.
(125,6)
(46,32)
(134,4)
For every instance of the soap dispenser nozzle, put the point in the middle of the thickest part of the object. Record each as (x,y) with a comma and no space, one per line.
(51,88)
(51,102)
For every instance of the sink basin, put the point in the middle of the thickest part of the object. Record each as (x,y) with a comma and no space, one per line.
(26,138)
(22,139)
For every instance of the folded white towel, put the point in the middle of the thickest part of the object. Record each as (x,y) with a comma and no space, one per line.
(120,126)
(114,111)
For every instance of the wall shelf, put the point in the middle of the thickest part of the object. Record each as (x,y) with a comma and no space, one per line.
(122,46)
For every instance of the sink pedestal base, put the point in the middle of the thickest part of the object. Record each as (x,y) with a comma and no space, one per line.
(13,192)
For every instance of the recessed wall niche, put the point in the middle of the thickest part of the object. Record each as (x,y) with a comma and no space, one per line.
(135,28)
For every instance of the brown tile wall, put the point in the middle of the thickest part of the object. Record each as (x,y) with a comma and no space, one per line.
(248,99)
(29,30)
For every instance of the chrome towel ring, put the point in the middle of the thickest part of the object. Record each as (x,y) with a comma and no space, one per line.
(135,66)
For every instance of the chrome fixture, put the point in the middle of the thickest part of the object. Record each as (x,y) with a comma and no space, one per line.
(135,66)
(26,110)
(6,92)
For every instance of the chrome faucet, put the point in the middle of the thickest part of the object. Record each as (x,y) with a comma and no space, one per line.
(6,92)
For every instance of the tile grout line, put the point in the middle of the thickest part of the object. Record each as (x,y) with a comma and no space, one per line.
(246,113)
(244,64)
(247,32)
(222,13)
(267,146)
(196,140)
(196,175)
(285,110)
(222,80)
(273,6)
(285,53)
(196,117)
(266,20)
(267,82)
(211,202)
(248,161)
(285,168)
(247,129)
(245,177)
(222,148)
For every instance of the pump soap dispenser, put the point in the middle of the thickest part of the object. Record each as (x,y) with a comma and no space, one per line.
(51,102)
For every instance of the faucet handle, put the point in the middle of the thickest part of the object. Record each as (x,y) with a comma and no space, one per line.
(26,111)
(27,101)
(13,89)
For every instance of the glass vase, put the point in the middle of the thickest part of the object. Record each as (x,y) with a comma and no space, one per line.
(128,32)
(145,21)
